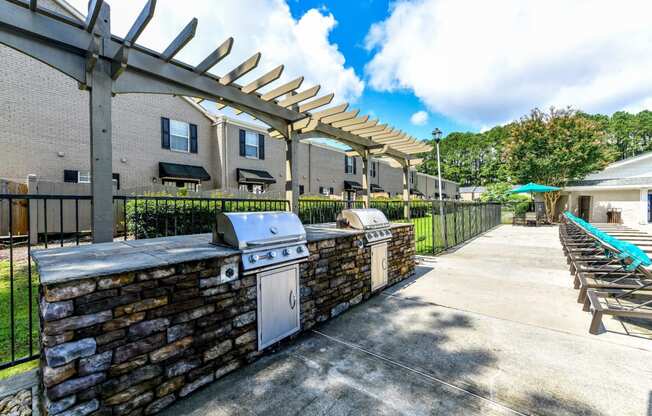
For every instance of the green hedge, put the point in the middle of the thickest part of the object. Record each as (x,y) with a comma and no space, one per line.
(150,218)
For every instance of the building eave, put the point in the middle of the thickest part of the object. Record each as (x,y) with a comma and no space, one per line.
(604,188)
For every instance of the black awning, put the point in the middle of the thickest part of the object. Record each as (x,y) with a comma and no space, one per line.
(352,186)
(416,192)
(254,176)
(376,188)
(177,171)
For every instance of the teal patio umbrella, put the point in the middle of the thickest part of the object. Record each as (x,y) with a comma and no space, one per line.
(533,188)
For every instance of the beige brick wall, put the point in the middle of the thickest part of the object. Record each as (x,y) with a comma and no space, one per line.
(318,165)
(43,114)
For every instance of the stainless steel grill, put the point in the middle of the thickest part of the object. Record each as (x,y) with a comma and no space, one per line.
(372,221)
(267,239)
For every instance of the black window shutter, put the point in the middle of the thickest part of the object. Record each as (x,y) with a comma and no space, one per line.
(116,178)
(321,189)
(355,168)
(71,176)
(165,133)
(193,138)
(261,147)
(242,143)
(301,189)
(346,164)
(331,191)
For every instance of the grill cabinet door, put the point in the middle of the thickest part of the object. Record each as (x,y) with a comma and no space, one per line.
(278,305)
(378,266)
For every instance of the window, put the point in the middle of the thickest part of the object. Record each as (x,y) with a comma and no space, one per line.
(373,169)
(251,145)
(179,136)
(301,189)
(349,165)
(412,175)
(83,177)
(190,186)
(252,187)
(116,180)
(325,191)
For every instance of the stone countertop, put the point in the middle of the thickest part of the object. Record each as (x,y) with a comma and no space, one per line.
(326,231)
(93,260)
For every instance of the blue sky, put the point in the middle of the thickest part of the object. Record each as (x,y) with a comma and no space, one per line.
(354,19)
(418,64)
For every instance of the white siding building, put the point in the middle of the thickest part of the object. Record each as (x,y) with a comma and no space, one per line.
(624,186)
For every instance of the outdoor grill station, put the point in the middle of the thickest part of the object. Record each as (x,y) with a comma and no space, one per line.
(273,244)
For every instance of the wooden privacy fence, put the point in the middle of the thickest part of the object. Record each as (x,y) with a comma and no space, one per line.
(19,224)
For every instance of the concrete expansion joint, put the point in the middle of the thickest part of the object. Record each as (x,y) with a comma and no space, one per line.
(421,373)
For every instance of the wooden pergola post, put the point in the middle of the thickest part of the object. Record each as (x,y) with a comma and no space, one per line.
(100,136)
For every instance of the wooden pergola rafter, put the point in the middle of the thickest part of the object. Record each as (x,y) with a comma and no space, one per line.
(106,65)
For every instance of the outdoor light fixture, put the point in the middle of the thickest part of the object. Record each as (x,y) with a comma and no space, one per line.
(436,135)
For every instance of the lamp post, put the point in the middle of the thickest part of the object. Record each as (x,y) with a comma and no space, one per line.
(436,135)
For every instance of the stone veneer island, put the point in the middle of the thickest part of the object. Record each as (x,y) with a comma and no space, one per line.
(131,327)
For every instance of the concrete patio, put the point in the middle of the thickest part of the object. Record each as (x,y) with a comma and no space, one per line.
(491,328)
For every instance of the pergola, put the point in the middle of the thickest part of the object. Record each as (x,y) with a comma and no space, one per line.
(106,65)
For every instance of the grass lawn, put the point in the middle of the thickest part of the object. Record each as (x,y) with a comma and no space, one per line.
(423,230)
(21,303)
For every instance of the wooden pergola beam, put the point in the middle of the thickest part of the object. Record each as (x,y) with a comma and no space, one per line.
(241,70)
(259,83)
(282,90)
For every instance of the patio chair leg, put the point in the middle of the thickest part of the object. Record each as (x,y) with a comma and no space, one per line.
(596,323)
(581,296)
(576,282)
(587,304)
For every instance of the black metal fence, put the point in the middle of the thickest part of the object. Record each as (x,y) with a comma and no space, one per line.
(447,224)
(29,222)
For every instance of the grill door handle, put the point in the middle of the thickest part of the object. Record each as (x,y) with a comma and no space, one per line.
(292,299)
(385,263)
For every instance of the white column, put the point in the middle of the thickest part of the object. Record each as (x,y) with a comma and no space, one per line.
(643,206)
(406,190)
(366,174)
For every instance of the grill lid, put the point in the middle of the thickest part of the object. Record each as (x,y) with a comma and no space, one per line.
(363,219)
(254,229)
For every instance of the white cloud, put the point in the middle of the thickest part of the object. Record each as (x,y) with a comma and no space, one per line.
(267,26)
(419,118)
(487,62)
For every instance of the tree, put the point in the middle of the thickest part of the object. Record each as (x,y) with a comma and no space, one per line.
(469,158)
(555,147)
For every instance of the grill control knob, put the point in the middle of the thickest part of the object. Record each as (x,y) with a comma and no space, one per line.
(286,252)
(253,258)
(299,249)
(272,254)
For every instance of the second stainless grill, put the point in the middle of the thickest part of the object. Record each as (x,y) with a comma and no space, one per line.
(372,221)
